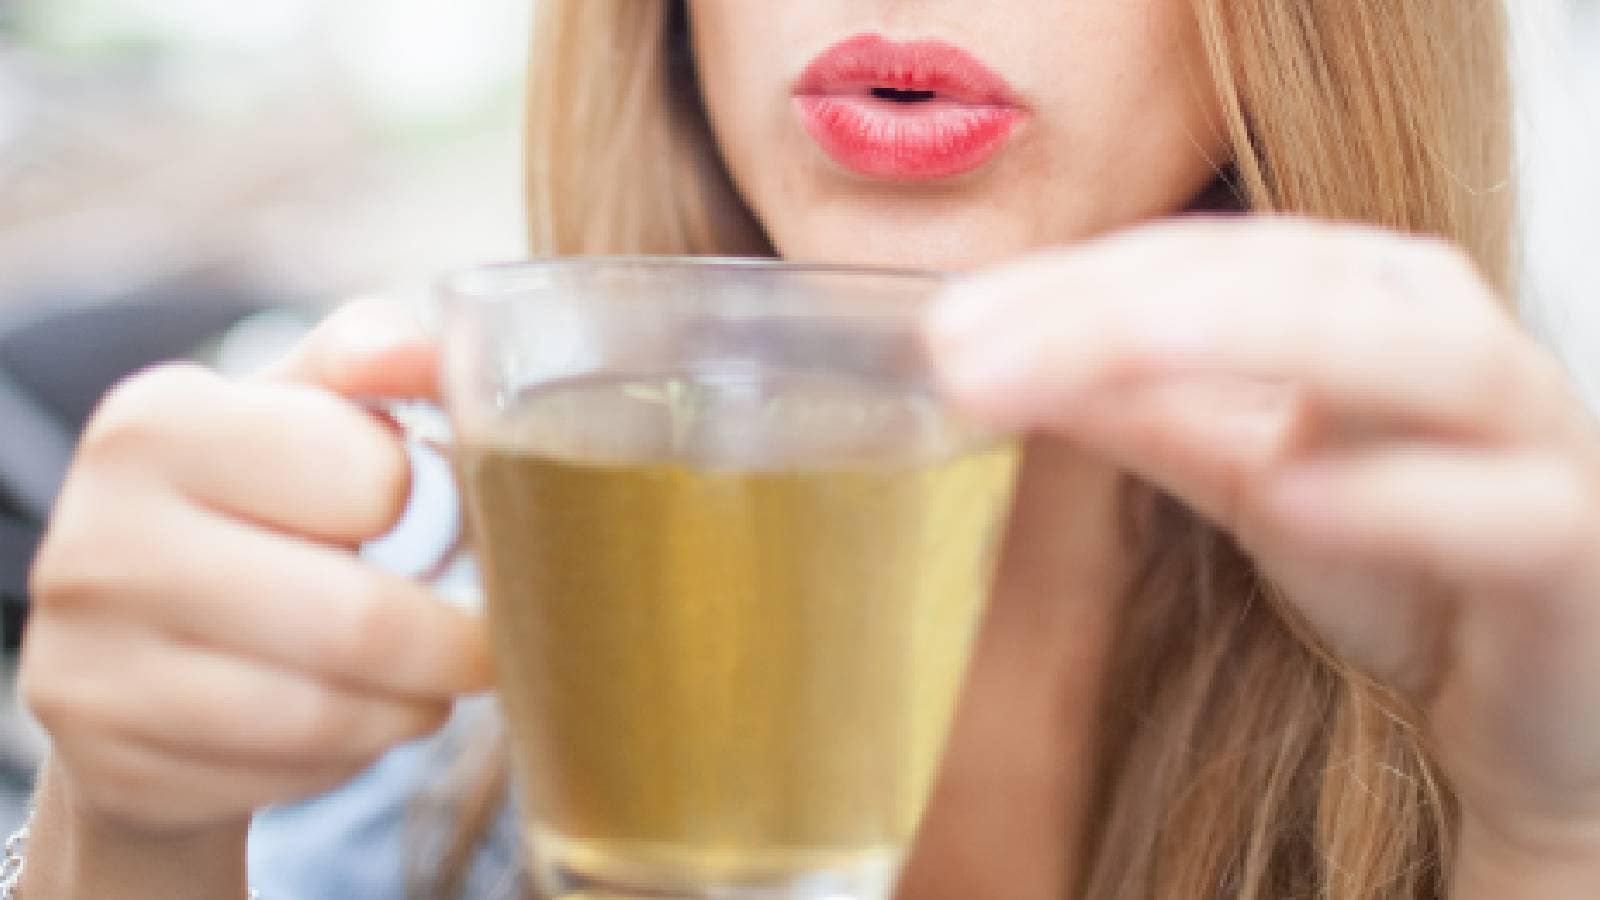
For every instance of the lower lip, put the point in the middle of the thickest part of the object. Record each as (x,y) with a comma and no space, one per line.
(907,141)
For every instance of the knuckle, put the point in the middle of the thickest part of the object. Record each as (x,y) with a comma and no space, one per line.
(44,671)
(318,720)
(51,581)
(42,692)
(1514,380)
(104,538)
(1567,499)
(1437,249)
(65,693)
(1454,276)
(1490,360)
(1551,406)
(368,634)
(136,415)
(1439,258)
(1488,335)
(70,569)
(1547,376)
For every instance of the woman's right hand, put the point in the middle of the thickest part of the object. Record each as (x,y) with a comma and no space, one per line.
(204,639)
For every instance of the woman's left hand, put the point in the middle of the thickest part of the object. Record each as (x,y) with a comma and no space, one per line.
(1361,411)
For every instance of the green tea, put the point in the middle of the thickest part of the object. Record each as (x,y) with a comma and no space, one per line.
(730,671)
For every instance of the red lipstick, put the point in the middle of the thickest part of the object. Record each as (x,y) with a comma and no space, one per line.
(914,111)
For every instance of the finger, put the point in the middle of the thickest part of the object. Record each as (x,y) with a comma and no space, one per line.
(1205,442)
(233,587)
(1170,426)
(293,457)
(1357,353)
(366,349)
(1238,455)
(1521,518)
(1317,307)
(209,705)
(150,788)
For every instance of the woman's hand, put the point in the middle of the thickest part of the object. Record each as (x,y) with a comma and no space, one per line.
(204,639)
(1361,411)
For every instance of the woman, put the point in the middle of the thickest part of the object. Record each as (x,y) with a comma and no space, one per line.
(1301,595)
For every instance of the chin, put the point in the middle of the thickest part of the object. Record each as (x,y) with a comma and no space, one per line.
(915,236)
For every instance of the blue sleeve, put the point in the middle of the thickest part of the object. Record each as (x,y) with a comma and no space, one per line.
(354,842)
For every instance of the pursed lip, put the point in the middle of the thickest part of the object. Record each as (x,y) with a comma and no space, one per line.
(906,111)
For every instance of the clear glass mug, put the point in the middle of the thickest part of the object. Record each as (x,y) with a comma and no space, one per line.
(734,551)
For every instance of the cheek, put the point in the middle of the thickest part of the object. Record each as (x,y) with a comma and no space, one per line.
(1136,129)
(738,82)
(1131,127)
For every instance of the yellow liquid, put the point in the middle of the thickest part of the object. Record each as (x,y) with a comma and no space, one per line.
(713,674)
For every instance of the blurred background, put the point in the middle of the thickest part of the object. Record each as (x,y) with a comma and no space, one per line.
(301,149)
(206,176)
(185,176)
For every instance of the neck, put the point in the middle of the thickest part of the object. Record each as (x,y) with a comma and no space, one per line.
(1062,551)
(1019,767)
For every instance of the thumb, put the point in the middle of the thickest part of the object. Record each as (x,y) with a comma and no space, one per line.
(366,348)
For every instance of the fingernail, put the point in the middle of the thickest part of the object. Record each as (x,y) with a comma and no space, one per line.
(983,352)
(988,364)
(376,329)
(960,313)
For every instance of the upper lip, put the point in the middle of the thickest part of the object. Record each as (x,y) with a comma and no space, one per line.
(859,65)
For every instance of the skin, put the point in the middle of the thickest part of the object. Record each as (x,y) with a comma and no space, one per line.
(1411,468)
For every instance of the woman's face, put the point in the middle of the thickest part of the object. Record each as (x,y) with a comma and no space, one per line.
(951,133)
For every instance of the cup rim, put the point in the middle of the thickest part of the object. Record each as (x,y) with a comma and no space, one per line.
(453,285)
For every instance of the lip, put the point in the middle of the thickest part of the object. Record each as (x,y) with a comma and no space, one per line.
(955,115)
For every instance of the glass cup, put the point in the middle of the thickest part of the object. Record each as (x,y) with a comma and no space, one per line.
(734,550)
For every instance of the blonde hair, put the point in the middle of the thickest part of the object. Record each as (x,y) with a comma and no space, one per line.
(620,157)
(1238,759)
